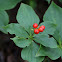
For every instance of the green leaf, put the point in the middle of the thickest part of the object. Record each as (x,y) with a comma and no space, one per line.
(50,27)
(45,40)
(15,28)
(4,20)
(21,42)
(53,14)
(8,4)
(52,53)
(29,53)
(27,17)
(57,35)
(40,59)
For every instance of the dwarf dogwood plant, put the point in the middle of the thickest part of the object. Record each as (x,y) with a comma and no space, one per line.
(37,46)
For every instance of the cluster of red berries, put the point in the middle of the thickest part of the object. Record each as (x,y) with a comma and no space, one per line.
(40,29)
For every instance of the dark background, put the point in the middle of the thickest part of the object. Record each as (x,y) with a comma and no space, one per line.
(9,52)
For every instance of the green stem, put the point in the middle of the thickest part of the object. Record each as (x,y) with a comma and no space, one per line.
(30,32)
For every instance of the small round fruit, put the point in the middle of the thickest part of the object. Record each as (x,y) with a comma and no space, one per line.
(41,29)
(42,26)
(35,25)
(36,31)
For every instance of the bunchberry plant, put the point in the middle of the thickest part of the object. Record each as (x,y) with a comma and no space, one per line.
(4,18)
(36,31)
(8,4)
(40,29)
(43,27)
(36,41)
(35,25)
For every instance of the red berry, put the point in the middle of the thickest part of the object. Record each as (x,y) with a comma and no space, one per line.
(42,26)
(35,25)
(36,31)
(41,29)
